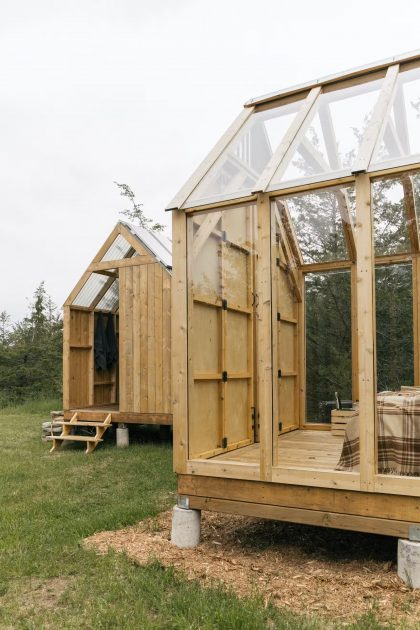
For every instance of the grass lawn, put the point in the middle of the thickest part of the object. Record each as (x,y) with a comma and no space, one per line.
(49,503)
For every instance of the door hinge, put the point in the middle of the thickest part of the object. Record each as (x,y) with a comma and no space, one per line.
(279,373)
(278,317)
(224,442)
(278,262)
(224,376)
(224,305)
(253,417)
(280,426)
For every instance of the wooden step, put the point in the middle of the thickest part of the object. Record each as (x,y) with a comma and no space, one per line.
(81,423)
(74,438)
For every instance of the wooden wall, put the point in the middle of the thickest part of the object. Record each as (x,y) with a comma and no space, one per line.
(141,382)
(145,339)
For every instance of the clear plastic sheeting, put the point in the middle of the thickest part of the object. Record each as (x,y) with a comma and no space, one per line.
(239,167)
(111,298)
(119,249)
(159,245)
(322,222)
(90,290)
(400,136)
(334,131)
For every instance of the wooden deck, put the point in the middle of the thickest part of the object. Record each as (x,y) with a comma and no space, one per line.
(100,412)
(297,449)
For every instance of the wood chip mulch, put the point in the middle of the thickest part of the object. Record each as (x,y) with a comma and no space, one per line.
(331,573)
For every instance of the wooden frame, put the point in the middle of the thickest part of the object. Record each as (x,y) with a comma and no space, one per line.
(212,482)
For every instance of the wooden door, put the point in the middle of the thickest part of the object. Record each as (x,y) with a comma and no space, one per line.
(221,338)
(286,298)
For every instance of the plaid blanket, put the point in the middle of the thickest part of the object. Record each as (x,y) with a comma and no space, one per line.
(398,431)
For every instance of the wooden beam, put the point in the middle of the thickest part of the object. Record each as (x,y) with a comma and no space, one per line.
(206,228)
(122,262)
(366,332)
(291,263)
(373,132)
(410,211)
(183,194)
(264,325)
(179,342)
(282,155)
(290,230)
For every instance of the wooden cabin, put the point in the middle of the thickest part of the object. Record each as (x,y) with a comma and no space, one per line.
(127,286)
(296,307)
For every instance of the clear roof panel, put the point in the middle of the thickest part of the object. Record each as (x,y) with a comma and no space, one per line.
(90,290)
(119,249)
(401,133)
(238,168)
(111,297)
(334,131)
(322,222)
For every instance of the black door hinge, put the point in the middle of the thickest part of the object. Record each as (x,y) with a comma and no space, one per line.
(224,376)
(278,317)
(280,426)
(278,262)
(224,305)
(224,442)
(279,373)
(253,417)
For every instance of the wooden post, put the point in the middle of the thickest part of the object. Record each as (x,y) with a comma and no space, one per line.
(179,342)
(66,357)
(366,337)
(264,336)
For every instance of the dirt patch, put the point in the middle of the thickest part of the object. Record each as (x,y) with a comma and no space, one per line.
(332,573)
(46,593)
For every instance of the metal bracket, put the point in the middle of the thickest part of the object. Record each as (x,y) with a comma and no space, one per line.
(278,317)
(280,426)
(224,442)
(224,305)
(183,502)
(278,262)
(224,376)
(279,374)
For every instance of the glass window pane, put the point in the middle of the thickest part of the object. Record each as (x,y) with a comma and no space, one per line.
(394,326)
(395,206)
(332,139)
(401,136)
(328,343)
(237,170)
(321,221)
(398,430)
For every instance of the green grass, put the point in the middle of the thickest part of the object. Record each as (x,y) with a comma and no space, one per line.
(49,503)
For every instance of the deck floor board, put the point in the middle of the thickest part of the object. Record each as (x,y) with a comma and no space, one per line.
(297,449)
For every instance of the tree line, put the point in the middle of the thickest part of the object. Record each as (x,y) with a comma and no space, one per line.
(31,352)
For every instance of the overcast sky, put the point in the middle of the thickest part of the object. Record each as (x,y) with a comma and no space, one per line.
(137,91)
